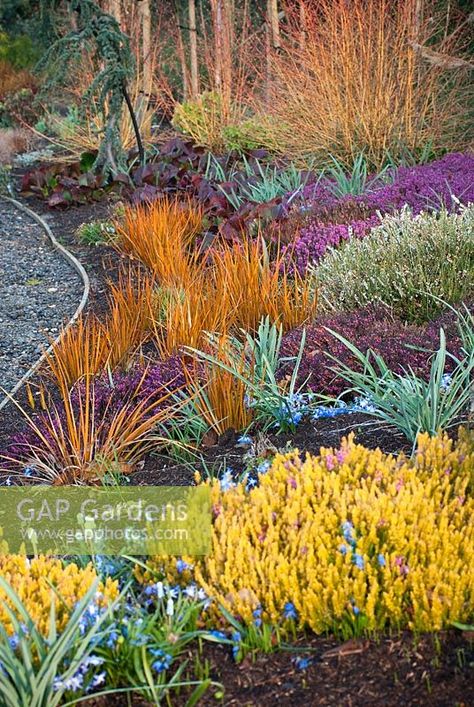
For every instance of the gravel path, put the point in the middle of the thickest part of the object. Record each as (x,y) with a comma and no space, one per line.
(39,291)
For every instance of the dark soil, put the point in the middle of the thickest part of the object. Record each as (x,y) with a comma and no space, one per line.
(225,452)
(431,671)
(390,672)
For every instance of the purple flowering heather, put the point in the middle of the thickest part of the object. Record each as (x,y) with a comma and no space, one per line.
(368,328)
(445,182)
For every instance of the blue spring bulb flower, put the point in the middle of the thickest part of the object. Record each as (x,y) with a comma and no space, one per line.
(358,560)
(289,611)
(302,663)
(381,560)
(244,440)
(181,566)
(163,661)
(236,638)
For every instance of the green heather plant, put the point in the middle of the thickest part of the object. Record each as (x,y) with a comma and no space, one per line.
(402,264)
(96,232)
(404,400)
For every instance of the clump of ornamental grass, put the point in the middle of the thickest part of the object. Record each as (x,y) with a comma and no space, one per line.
(40,581)
(408,263)
(346,542)
(219,395)
(93,344)
(404,400)
(257,286)
(239,286)
(161,235)
(355,78)
(87,435)
(185,313)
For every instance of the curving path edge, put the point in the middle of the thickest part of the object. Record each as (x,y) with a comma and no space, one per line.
(85,294)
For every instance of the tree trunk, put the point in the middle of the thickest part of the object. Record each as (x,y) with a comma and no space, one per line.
(274,23)
(115,9)
(147,78)
(218,41)
(193,47)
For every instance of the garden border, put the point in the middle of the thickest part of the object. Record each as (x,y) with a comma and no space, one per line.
(78,267)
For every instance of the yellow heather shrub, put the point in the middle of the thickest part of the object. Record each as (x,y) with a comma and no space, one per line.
(348,532)
(32,581)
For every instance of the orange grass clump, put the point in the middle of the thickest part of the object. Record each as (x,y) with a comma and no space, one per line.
(351,80)
(80,353)
(238,286)
(77,444)
(220,400)
(161,236)
(197,307)
(131,302)
(91,345)
(256,286)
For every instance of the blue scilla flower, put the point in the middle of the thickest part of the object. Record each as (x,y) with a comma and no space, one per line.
(244,440)
(97,681)
(302,663)
(327,412)
(163,661)
(226,481)
(446,381)
(358,560)
(112,638)
(14,641)
(251,483)
(72,684)
(236,639)
(28,471)
(257,614)
(89,661)
(263,467)
(348,531)
(364,404)
(381,560)
(181,566)
(289,611)
(344,549)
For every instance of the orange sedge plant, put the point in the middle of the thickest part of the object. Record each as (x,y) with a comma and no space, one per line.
(90,345)
(80,353)
(352,80)
(220,398)
(191,310)
(130,317)
(257,286)
(238,286)
(80,441)
(161,236)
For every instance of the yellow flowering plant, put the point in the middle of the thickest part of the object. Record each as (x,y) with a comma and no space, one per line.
(43,580)
(349,540)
